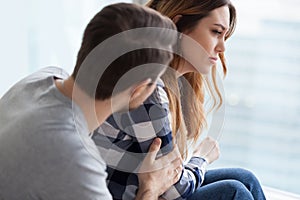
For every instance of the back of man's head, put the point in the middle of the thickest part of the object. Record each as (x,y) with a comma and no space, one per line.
(119,39)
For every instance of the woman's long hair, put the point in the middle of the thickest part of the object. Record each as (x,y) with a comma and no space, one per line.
(186,105)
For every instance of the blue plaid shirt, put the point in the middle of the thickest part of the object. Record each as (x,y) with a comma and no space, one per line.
(124,139)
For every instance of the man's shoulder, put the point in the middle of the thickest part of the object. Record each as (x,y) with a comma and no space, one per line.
(50,71)
(55,163)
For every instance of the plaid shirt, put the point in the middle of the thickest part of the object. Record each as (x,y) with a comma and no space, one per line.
(124,139)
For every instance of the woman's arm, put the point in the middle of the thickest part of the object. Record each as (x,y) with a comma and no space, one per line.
(192,175)
(208,149)
(131,134)
(151,185)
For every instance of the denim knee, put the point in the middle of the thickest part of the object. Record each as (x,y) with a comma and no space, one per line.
(247,178)
(251,182)
(237,190)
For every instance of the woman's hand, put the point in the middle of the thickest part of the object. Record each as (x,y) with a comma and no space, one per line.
(208,149)
(158,175)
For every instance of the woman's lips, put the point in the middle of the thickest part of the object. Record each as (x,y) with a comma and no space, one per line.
(213,60)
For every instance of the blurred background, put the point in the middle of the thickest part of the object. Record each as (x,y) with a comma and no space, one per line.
(262,120)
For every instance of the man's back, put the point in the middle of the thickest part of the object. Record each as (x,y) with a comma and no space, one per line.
(45,152)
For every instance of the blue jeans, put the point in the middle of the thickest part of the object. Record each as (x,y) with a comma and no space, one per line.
(229,184)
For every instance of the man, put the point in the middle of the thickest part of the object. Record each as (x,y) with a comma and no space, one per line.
(46,151)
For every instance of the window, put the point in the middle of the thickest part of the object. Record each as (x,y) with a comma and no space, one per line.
(262,121)
(36,34)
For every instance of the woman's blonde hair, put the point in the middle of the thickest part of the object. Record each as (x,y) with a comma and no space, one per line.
(188,114)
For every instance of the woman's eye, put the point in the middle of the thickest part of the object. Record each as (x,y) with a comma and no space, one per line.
(217,32)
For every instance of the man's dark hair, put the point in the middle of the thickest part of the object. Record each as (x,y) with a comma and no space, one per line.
(109,22)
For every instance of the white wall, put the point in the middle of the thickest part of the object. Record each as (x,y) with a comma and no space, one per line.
(39,33)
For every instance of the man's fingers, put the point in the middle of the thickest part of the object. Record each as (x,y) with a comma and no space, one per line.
(177,176)
(177,163)
(171,160)
(170,157)
(176,169)
(153,150)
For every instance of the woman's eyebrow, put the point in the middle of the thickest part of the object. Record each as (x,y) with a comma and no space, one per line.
(220,25)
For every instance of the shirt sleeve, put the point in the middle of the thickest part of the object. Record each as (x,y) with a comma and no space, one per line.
(136,131)
(193,172)
(191,179)
(141,126)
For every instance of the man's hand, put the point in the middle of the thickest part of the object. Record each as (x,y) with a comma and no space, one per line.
(208,149)
(157,176)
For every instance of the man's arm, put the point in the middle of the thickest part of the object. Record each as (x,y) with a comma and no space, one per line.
(151,183)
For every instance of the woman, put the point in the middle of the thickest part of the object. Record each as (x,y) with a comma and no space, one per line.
(175,112)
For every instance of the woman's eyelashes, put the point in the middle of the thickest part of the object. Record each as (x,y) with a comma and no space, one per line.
(217,32)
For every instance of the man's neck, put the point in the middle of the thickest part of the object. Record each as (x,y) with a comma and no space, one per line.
(95,111)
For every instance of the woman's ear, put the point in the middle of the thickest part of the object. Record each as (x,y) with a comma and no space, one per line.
(176,18)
